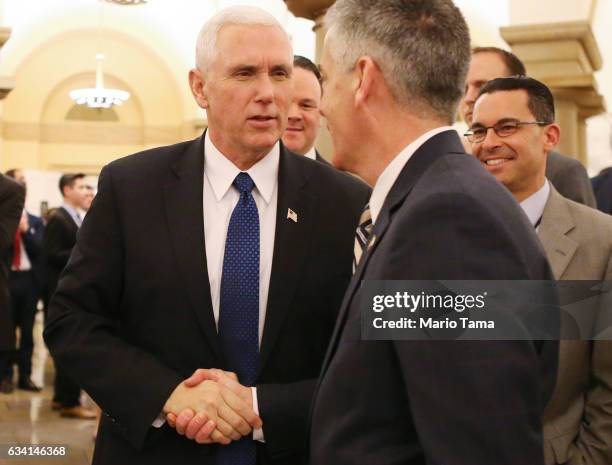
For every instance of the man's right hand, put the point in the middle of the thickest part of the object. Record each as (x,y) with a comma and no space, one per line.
(208,407)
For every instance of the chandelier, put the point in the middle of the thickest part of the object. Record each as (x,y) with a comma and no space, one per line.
(127,2)
(99,96)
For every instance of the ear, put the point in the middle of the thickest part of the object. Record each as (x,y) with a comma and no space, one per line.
(366,74)
(198,88)
(552,134)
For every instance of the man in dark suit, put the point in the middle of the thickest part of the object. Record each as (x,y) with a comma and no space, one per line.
(26,281)
(58,241)
(12,198)
(436,214)
(304,115)
(566,174)
(227,252)
(602,186)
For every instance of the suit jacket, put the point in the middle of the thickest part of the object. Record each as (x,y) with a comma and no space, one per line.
(12,197)
(59,239)
(132,316)
(602,186)
(32,241)
(436,402)
(570,178)
(578,419)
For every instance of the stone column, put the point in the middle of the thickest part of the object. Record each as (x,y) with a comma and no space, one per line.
(6,84)
(555,41)
(315,10)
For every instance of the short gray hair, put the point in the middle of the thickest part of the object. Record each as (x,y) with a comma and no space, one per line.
(206,44)
(421,46)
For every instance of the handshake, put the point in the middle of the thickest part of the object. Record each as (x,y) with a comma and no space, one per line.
(211,406)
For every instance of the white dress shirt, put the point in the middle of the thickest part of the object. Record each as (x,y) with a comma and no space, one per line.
(74,214)
(533,206)
(24,260)
(220,198)
(387,178)
(312,153)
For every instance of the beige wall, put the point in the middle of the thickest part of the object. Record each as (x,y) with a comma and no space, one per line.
(35,132)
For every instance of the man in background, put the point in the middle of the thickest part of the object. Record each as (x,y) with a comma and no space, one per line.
(89,196)
(304,115)
(513,131)
(26,284)
(58,241)
(565,173)
(12,198)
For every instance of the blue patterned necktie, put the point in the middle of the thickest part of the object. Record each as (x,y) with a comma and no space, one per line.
(239,306)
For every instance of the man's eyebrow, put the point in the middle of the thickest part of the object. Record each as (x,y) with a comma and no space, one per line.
(282,67)
(243,67)
(501,121)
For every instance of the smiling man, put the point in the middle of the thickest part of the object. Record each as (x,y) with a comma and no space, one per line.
(565,173)
(512,134)
(304,114)
(228,254)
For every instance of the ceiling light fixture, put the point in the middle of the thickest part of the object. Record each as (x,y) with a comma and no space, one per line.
(99,96)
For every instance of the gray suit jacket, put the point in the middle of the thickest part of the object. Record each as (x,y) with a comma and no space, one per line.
(578,418)
(570,178)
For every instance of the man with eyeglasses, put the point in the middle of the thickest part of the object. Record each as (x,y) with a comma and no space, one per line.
(512,133)
(567,174)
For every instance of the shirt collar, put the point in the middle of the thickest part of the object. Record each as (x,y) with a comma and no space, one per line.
(74,214)
(533,206)
(390,174)
(221,172)
(312,153)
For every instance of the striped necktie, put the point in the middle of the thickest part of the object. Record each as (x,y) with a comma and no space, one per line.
(362,235)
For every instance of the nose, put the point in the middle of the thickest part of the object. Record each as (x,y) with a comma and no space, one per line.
(491,141)
(471,94)
(265,89)
(294,113)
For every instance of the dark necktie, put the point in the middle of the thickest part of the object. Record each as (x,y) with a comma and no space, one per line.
(362,235)
(239,306)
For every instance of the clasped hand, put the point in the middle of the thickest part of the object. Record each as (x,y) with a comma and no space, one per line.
(211,406)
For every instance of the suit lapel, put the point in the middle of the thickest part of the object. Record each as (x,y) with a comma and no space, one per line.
(183,196)
(421,160)
(556,222)
(291,245)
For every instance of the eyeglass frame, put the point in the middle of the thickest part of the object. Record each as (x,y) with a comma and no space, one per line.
(469,134)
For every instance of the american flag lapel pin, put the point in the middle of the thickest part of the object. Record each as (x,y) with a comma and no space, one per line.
(291,215)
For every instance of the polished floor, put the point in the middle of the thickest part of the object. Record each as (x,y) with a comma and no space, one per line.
(27,419)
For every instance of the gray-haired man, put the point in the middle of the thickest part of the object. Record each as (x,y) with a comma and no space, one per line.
(223,253)
(393,73)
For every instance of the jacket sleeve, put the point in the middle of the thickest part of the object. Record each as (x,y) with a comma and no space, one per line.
(83,331)
(594,442)
(12,197)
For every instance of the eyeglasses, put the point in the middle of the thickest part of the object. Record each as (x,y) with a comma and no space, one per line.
(477,134)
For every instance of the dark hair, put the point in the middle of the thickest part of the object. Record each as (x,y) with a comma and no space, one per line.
(540,100)
(514,65)
(68,180)
(12,172)
(304,63)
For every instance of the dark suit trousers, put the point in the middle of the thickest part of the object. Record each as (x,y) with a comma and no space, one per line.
(24,296)
(67,392)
